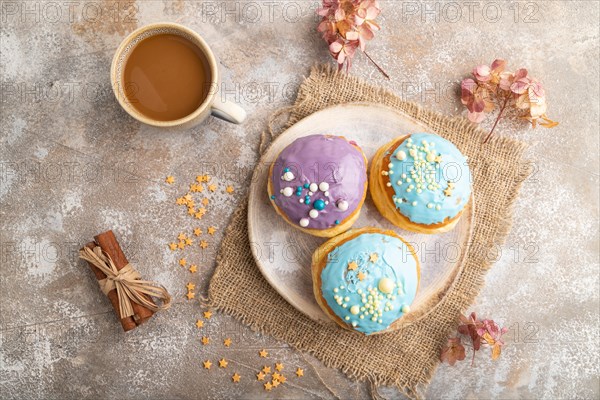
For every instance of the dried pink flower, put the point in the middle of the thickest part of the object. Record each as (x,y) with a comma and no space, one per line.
(347,25)
(454,351)
(492,85)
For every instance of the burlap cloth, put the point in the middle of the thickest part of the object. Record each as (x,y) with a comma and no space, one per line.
(406,358)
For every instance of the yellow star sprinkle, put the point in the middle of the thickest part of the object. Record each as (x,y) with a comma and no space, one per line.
(199,179)
(193,268)
(182,262)
(300,372)
(190,286)
(438,159)
(188,241)
(223,363)
(190,295)
(229,189)
(361,276)
(352,265)
(260,376)
(169,179)
(275,383)
(180,201)
(263,353)
(212,187)
(172,246)
(266,370)
(198,215)
(373,257)
(236,377)
(268,386)
(207,314)
(199,323)
(275,375)
(227,342)
(202,210)
(181,236)
(205,340)
(205,201)
(207,364)
(282,379)
(448,191)
(181,244)
(197,231)
(191,211)
(188,197)
(211,230)
(278,366)
(203,244)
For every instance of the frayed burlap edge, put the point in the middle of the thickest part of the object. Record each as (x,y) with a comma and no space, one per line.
(417,345)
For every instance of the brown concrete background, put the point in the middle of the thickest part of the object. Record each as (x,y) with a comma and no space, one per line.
(73,164)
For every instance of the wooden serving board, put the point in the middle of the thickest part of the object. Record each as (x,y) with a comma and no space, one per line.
(283,254)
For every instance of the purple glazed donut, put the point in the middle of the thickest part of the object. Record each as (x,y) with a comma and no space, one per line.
(318,184)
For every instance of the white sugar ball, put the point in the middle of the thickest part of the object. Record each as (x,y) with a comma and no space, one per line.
(386,285)
(288,191)
(313,213)
(401,155)
(288,176)
(313,187)
(354,310)
(304,222)
(323,186)
(342,205)
(430,157)
(326,193)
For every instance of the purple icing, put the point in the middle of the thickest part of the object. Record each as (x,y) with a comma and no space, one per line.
(312,160)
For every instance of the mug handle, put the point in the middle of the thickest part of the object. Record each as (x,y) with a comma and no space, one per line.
(228,111)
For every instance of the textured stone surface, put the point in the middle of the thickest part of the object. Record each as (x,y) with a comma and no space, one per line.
(73,164)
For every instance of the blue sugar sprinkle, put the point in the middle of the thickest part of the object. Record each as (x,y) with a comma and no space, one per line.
(286,170)
(306,186)
(273,197)
(337,221)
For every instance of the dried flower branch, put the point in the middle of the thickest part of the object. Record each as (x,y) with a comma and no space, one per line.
(347,25)
(492,86)
(486,333)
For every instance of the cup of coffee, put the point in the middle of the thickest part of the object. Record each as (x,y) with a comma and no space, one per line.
(165,75)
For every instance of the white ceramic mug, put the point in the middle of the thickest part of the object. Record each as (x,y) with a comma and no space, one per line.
(223,109)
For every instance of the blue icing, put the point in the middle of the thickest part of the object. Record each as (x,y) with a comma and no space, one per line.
(394,261)
(433,205)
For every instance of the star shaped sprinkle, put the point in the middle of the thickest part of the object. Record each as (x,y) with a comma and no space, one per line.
(199,179)
(193,268)
(236,377)
(190,295)
(169,179)
(448,191)
(229,189)
(207,314)
(260,376)
(211,230)
(227,342)
(275,383)
(361,276)
(282,379)
(373,257)
(172,246)
(205,340)
(188,197)
(268,386)
(191,211)
(205,201)
(207,364)
(198,215)
(182,262)
(199,323)
(181,236)
(180,201)
(223,363)
(263,353)
(203,244)
(190,286)
(266,369)
(275,375)
(438,159)
(278,366)
(181,245)
(212,187)
(197,231)
(300,372)
(352,265)
(188,241)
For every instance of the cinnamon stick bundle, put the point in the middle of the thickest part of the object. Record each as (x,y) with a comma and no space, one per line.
(109,244)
